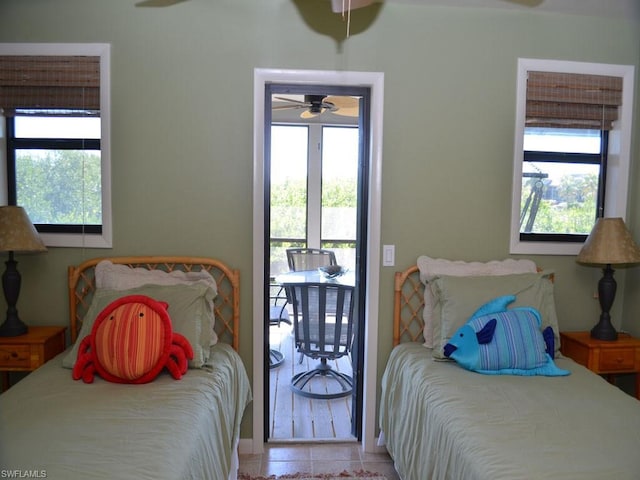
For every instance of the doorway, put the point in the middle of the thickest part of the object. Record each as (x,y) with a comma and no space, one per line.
(370,241)
(316,164)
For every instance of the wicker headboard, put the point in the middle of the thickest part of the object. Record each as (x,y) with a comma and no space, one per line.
(82,285)
(408,304)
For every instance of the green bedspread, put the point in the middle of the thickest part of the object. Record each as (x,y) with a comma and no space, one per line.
(440,421)
(166,429)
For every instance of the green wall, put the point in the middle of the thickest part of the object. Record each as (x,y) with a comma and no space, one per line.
(182,129)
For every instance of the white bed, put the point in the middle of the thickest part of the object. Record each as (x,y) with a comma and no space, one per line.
(172,429)
(440,421)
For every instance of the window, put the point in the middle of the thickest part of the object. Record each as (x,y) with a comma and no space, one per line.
(54,174)
(339,220)
(562,183)
(55,106)
(288,226)
(572,146)
(314,179)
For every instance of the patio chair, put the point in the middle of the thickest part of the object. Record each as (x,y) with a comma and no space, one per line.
(323,328)
(309,258)
(278,314)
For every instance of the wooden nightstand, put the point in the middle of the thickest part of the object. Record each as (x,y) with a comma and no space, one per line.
(25,353)
(604,357)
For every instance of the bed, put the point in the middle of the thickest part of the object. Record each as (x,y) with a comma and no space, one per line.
(55,427)
(441,421)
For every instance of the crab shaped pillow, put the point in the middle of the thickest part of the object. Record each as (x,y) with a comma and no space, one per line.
(501,341)
(131,341)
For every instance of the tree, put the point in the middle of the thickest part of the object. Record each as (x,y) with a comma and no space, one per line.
(568,208)
(60,186)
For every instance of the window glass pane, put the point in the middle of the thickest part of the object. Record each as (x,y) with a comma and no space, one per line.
(288,192)
(57,127)
(339,183)
(559,198)
(561,140)
(340,189)
(60,186)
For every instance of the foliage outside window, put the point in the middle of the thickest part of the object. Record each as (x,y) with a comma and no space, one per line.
(57,180)
(562,183)
(340,153)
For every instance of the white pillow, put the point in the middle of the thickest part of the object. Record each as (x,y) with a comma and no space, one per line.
(121,277)
(433,267)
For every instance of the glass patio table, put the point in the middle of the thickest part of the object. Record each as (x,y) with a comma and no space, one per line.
(315,276)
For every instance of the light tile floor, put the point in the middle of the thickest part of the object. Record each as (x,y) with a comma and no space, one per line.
(283,458)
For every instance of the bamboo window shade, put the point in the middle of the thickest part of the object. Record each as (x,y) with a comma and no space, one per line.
(572,100)
(48,82)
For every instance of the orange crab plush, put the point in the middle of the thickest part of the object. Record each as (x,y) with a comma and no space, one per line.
(131,342)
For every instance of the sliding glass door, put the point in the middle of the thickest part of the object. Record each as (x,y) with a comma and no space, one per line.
(314,191)
(316,161)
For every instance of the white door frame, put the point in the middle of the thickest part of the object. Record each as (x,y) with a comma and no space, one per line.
(375,81)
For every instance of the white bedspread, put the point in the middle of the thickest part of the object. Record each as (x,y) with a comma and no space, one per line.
(443,422)
(166,429)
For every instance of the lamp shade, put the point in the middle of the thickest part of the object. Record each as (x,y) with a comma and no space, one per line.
(17,233)
(609,243)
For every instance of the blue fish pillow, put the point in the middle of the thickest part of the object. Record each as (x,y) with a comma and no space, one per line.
(498,341)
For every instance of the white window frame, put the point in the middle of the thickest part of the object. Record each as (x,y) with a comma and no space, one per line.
(102,50)
(619,154)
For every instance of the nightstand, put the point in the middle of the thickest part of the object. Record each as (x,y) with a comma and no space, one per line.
(604,357)
(27,352)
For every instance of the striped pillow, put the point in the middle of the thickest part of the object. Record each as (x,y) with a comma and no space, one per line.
(519,345)
(132,341)
(497,341)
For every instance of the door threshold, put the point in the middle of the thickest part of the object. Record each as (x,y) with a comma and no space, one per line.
(289,441)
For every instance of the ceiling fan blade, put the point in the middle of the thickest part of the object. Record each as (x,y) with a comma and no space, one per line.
(348,112)
(287,107)
(293,100)
(342,102)
(307,114)
(345,106)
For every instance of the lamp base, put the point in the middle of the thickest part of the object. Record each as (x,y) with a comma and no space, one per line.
(604,331)
(11,280)
(606,293)
(13,327)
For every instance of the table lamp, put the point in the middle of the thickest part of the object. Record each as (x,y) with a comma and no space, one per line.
(609,243)
(17,234)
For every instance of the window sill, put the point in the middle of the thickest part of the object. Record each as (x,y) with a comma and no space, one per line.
(77,240)
(544,248)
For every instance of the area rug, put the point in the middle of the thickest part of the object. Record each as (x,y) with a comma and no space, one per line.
(357,475)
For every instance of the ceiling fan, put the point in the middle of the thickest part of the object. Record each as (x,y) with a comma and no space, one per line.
(337,6)
(314,105)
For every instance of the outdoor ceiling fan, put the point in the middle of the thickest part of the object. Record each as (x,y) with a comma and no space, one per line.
(314,105)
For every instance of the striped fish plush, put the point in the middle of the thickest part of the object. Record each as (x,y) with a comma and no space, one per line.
(498,341)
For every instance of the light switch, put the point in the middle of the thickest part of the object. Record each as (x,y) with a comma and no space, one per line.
(388,255)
